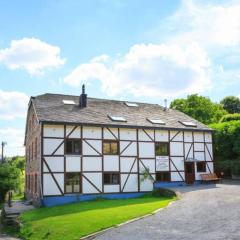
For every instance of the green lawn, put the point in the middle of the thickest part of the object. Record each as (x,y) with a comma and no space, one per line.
(72,221)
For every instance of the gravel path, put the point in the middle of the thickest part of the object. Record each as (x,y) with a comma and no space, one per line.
(209,212)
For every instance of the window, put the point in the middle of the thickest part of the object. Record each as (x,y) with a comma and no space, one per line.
(201,166)
(73,146)
(35,182)
(129,104)
(110,148)
(117,118)
(72,182)
(69,102)
(162,176)
(161,149)
(111,178)
(156,121)
(188,124)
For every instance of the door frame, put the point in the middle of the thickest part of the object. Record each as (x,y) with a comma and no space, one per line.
(192,175)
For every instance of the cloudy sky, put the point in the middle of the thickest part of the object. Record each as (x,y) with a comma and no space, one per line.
(143,50)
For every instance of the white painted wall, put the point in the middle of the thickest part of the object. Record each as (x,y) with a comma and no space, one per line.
(188,150)
(126,164)
(56,164)
(92,132)
(175,176)
(92,163)
(75,134)
(108,135)
(146,149)
(132,183)
(49,146)
(178,137)
(188,136)
(128,134)
(95,178)
(111,162)
(198,146)
(176,149)
(142,136)
(131,150)
(199,156)
(162,163)
(111,188)
(146,185)
(149,163)
(198,137)
(161,136)
(73,164)
(50,187)
(87,150)
(208,137)
(178,162)
(53,131)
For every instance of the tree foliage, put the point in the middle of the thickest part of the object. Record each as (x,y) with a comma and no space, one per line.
(200,108)
(227,146)
(9,178)
(231,104)
(230,117)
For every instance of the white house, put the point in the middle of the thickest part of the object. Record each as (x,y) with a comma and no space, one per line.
(79,147)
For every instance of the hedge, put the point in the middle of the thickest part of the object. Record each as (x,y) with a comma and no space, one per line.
(230,117)
(227,146)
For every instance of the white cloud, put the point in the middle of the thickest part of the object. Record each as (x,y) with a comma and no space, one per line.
(13,105)
(214,25)
(149,70)
(32,55)
(15,140)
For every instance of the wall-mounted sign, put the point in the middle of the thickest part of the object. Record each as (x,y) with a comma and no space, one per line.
(162,163)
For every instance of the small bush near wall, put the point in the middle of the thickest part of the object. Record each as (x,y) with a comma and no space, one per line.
(163,192)
(227,147)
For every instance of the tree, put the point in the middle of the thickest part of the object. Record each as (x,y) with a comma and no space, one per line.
(200,108)
(9,179)
(231,104)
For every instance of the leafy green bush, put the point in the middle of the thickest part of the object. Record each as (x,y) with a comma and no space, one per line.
(163,192)
(9,179)
(227,146)
(230,117)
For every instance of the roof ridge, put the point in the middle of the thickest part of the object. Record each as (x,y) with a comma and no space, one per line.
(103,99)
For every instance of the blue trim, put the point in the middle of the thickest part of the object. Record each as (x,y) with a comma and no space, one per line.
(61,200)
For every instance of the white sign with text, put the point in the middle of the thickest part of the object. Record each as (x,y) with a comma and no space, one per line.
(162,163)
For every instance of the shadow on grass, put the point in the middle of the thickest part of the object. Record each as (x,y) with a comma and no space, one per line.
(98,204)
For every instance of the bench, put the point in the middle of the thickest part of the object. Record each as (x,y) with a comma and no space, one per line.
(209,177)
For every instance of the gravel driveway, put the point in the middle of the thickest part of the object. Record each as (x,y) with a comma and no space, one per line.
(210,212)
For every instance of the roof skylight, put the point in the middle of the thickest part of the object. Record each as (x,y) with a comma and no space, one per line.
(156,121)
(188,124)
(69,102)
(129,104)
(117,118)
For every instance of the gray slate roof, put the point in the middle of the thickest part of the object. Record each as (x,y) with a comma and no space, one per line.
(50,108)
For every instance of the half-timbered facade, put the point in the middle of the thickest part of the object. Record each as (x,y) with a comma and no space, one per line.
(81,147)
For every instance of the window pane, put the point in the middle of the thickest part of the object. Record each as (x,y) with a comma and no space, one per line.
(72,181)
(115,178)
(161,149)
(201,166)
(107,178)
(106,148)
(114,148)
(69,147)
(77,147)
(162,176)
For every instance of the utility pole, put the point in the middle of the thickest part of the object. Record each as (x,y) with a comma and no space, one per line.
(3,145)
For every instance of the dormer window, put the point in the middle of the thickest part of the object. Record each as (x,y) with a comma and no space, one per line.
(156,121)
(130,104)
(188,124)
(117,118)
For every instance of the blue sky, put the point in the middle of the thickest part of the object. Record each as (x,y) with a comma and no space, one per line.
(135,50)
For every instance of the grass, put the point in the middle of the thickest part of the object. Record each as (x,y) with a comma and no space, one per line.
(73,221)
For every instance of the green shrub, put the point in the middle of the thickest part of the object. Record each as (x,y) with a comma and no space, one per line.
(9,179)
(230,117)
(227,146)
(163,192)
